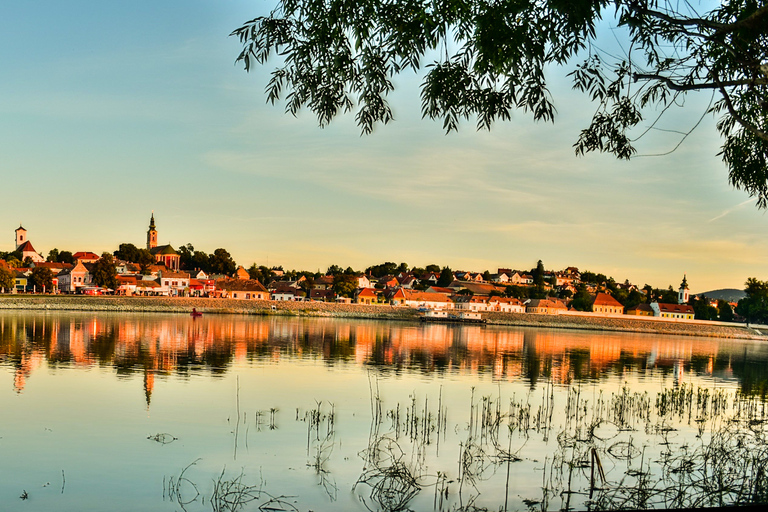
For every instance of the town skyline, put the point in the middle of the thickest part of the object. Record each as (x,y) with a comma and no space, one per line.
(152,239)
(144,108)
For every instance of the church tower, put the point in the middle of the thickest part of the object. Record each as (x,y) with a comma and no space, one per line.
(682,293)
(21,236)
(152,234)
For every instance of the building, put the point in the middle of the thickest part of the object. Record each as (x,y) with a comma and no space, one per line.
(673,311)
(641,309)
(164,254)
(86,257)
(366,296)
(607,304)
(682,292)
(243,289)
(176,282)
(545,307)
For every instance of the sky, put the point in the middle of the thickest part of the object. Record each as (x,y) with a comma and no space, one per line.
(110,111)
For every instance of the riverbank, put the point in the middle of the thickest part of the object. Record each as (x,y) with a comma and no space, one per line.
(374,312)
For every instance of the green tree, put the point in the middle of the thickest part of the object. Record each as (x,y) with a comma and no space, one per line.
(127,252)
(491,58)
(582,300)
(7,278)
(383,269)
(334,270)
(702,310)
(345,285)
(754,307)
(104,272)
(446,277)
(42,279)
(516,292)
(53,255)
(222,263)
(435,269)
(66,257)
(725,311)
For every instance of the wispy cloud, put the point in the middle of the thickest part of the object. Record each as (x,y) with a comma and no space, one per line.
(730,210)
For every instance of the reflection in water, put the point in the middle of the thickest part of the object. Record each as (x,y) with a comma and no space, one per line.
(182,346)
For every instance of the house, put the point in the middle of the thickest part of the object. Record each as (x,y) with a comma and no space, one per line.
(407,281)
(241,273)
(388,282)
(201,287)
(286,294)
(416,299)
(244,289)
(127,285)
(362,281)
(545,306)
(176,282)
(72,279)
(641,309)
(440,289)
(505,305)
(673,311)
(323,283)
(322,295)
(468,303)
(607,304)
(366,296)
(20,279)
(85,257)
(149,287)
(500,278)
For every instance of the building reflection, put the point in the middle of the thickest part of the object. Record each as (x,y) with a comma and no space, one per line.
(163,345)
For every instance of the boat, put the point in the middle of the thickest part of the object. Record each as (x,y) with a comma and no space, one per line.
(195,313)
(441,315)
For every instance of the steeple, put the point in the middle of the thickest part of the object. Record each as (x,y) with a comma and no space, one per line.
(682,292)
(21,235)
(152,233)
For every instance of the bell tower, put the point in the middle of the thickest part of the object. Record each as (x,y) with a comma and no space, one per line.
(21,236)
(152,233)
(682,292)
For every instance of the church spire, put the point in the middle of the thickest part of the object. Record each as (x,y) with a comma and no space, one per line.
(152,233)
(682,292)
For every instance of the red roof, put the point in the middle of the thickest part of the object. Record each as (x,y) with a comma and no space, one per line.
(26,247)
(676,308)
(80,255)
(367,292)
(604,299)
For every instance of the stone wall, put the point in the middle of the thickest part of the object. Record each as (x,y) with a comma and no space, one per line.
(376,312)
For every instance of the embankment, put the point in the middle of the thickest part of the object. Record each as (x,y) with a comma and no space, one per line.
(374,312)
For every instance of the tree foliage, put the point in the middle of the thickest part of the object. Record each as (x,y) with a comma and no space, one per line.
(41,278)
(7,278)
(489,59)
(754,307)
(446,277)
(104,272)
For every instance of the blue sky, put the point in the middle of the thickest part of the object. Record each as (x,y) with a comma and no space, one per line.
(111,110)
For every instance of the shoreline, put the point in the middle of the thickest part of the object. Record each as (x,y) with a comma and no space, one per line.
(359,311)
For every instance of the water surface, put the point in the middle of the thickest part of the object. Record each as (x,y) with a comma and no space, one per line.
(167,412)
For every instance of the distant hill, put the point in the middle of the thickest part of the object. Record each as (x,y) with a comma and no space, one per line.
(727,294)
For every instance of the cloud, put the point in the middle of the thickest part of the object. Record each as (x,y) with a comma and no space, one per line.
(730,210)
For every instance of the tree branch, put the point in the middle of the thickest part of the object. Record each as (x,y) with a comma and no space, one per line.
(743,122)
(695,87)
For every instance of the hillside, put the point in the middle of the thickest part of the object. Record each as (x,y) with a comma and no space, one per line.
(727,294)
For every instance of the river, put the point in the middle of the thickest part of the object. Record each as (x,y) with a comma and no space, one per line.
(227,412)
